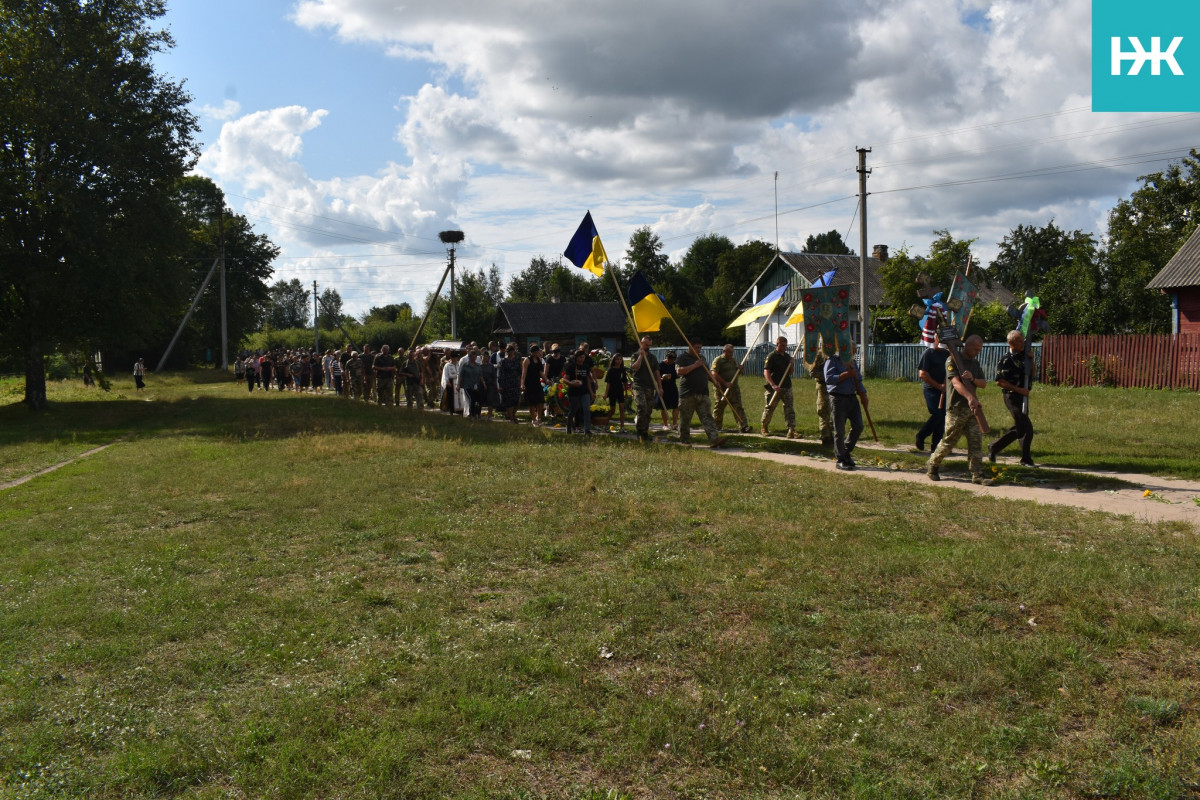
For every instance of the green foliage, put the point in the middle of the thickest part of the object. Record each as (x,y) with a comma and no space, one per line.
(1144,232)
(290,305)
(329,308)
(555,282)
(991,322)
(477,297)
(94,144)
(829,243)
(1062,269)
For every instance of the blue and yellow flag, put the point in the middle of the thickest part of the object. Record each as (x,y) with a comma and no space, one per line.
(585,250)
(648,308)
(763,308)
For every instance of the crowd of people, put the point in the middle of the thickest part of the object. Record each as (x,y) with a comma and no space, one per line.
(497,380)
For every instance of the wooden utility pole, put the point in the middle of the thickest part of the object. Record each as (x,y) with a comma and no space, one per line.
(224,327)
(863,312)
(316,325)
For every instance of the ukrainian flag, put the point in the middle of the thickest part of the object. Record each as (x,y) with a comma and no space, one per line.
(647,307)
(763,308)
(585,250)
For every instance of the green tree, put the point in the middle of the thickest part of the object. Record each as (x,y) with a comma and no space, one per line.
(828,244)
(329,308)
(92,146)
(1144,232)
(1062,269)
(248,259)
(554,282)
(477,297)
(393,312)
(289,305)
(898,276)
(645,253)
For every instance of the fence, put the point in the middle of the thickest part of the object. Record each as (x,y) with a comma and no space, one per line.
(1157,361)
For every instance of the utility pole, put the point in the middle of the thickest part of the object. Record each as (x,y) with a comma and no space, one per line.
(224,328)
(776,211)
(864,328)
(316,325)
(449,238)
(453,311)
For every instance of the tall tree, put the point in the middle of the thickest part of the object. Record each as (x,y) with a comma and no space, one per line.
(477,296)
(946,256)
(1062,269)
(248,259)
(553,282)
(92,145)
(329,309)
(828,244)
(289,305)
(1144,232)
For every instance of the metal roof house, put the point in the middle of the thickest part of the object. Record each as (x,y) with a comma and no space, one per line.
(801,270)
(567,324)
(1180,278)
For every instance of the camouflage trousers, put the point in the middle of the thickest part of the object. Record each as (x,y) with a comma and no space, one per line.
(356,387)
(733,399)
(386,393)
(643,403)
(824,412)
(368,386)
(960,421)
(412,394)
(785,400)
(696,404)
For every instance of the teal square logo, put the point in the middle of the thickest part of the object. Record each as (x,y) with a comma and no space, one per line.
(1145,55)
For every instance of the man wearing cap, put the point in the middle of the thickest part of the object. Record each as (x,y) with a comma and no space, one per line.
(725,370)
(385,374)
(693,396)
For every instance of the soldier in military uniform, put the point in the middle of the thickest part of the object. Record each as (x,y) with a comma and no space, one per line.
(1010,376)
(725,370)
(824,409)
(960,413)
(778,374)
(385,375)
(368,359)
(410,371)
(354,368)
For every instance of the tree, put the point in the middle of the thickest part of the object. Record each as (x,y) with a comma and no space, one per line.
(553,282)
(645,253)
(477,296)
(1062,269)
(392,312)
(248,259)
(289,305)
(92,146)
(899,278)
(828,244)
(329,308)
(1144,232)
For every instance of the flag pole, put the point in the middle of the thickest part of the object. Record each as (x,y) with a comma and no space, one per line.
(633,324)
(707,372)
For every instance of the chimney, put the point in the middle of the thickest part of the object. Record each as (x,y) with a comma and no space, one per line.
(880,253)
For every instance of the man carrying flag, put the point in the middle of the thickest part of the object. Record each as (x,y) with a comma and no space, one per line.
(585,250)
(648,312)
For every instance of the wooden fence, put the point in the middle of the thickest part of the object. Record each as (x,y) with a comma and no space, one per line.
(1138,360)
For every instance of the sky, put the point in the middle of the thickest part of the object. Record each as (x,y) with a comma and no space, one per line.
(352,131)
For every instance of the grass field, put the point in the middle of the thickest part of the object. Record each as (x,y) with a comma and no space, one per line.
(281,596)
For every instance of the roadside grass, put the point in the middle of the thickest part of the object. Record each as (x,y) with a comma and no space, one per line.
(287,596)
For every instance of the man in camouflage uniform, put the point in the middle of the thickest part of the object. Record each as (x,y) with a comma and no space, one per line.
(385,375)
(824,409)
(410,372)
(693,396)
(960,413)
(368,359)
(644,371)
(725,370)
(777,372)
(354,369)
(430,378)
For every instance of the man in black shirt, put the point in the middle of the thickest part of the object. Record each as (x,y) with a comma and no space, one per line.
(932,369)
(1010,376)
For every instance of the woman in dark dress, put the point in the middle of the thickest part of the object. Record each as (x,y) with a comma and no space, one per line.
(531,382)
(509,378)
(670,389)
(615,381)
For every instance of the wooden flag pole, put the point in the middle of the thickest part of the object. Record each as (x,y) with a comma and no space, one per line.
(745,358)
(707,372)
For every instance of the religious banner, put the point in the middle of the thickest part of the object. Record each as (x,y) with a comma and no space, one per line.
(826,322)
(963,295)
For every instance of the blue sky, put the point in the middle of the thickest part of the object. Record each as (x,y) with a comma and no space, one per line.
(351,131)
